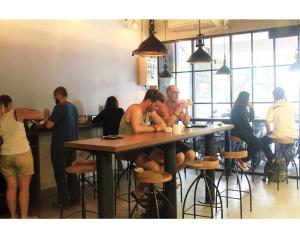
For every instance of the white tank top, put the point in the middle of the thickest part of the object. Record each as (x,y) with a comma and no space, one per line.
(13,134)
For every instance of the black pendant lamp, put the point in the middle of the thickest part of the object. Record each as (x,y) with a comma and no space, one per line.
(200,56)
(224,70)
(165,74)
(151,47)
(296,65)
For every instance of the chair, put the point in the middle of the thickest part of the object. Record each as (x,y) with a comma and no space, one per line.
(152,178)
(283,152)
(81,167)
(208,163)
(234,157)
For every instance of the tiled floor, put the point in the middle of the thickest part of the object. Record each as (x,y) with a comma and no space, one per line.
(267,201)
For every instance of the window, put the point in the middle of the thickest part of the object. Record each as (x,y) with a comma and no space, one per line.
(241,50)
(183,52)
(258,64)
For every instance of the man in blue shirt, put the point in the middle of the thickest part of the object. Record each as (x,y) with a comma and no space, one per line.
(64,125)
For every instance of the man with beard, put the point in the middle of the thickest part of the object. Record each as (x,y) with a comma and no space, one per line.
(64,125)
(142,118)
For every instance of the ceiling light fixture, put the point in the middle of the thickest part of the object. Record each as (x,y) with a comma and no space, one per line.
(200,56)
(165,74)
(151,46)
(224,70)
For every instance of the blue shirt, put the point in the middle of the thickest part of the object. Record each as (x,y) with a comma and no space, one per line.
(65,119)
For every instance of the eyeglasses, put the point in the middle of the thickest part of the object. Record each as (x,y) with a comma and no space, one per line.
(174,92)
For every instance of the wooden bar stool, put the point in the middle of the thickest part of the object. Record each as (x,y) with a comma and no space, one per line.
(81,167)
(234,156)
(283,152)
(152,178)
(208,163)
(240,145)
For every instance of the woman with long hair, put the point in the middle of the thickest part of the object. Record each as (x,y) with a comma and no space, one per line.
(16,161)
(110,117)
(241,113)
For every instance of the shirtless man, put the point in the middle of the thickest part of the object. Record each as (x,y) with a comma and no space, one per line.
(142,118)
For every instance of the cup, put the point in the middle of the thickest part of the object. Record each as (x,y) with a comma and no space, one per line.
(168,129)
(177,129)
(182,127)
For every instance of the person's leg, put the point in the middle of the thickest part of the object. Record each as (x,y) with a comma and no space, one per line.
(11,194)
(58,161)
(144,161)
(72,179)
(189,155)
(23,198)
(253,143)
(266,140)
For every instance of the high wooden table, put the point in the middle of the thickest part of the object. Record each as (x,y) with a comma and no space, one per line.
(104,148)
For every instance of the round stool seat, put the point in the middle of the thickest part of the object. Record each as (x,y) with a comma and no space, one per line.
(80,169)
(284,140)
(84,162)
(234,155)
(208,163)
(150,177)
(235,139)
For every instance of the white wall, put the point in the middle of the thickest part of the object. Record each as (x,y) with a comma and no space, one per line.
(92,59)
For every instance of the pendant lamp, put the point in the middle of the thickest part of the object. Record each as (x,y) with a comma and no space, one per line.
(224,70)
(165,74)
(200,56)
(151,47)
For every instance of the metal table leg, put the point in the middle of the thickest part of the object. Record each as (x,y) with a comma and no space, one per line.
(170,187)
(210,150)
(104,185)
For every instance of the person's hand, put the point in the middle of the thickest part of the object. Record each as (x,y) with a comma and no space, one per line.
(183,104)
(46,113)
(159,127)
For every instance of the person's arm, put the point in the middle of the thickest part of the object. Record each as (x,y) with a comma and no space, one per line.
(54,118)
(159,123)
(177,114)
(269,119)
(185,118)
(251,113)
(135,120)
(99,118)
(243,118)
(28,114)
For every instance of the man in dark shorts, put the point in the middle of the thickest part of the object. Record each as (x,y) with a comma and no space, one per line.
(64,125)
(173,111)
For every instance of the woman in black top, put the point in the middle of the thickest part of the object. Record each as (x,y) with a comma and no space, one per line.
(241,113)
(110,117)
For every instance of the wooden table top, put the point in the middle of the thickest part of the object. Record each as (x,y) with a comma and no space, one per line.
(143,140)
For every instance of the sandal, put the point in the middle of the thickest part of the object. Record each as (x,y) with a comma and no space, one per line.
(243,166)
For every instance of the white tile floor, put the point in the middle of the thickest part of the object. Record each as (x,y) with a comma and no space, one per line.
(267,202)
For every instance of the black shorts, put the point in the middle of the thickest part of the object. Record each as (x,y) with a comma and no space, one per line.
(182,147)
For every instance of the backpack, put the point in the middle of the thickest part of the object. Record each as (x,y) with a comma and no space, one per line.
(277,168)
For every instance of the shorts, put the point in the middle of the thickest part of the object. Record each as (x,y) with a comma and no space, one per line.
(17,165)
